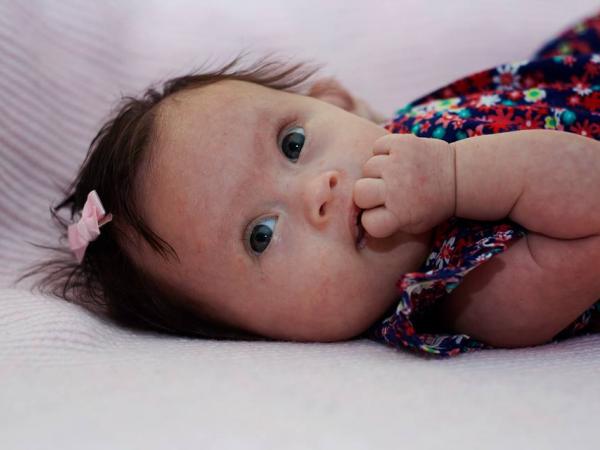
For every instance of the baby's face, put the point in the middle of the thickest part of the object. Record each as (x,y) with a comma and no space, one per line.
(253,189)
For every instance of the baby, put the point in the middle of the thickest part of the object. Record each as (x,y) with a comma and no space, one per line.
(230,204)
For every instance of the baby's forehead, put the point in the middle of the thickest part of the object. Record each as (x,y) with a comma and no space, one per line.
(225,95)
(218,114)
(228,106)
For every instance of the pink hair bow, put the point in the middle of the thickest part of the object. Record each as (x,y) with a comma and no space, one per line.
(87,228)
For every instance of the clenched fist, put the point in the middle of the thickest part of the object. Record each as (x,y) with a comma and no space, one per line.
(408,185)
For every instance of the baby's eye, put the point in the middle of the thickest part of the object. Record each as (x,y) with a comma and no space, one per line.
(260,234)
(292,143)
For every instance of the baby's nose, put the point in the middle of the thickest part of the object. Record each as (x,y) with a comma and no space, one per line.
(319,196)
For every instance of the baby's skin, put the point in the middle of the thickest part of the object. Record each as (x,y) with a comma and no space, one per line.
(547,181)
(258,191)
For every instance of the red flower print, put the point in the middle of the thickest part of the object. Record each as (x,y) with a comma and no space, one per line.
(585,129)
(529,82)
(568,60)
(447,119)
(580,47)
(506,79)
(515,95)
(445,253)
(483,108)
(477,131)
(425,127)
(461,87)
(459,246)
(574,100)
(397,124)
(534,79)
(530,121)
(558,85)
(592,101)
(592,69)
(427,115)
(581,85)
(401,129)
(484,101)
(501,121)
(448,93)
(471,102)
(458,122)
(481,80)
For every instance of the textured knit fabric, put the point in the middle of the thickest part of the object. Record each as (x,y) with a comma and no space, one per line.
(558,89)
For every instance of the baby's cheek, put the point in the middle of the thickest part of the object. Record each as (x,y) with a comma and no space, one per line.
(238,263)
(315,280)
(336,287)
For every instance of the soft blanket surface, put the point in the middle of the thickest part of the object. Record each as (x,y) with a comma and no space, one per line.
(70,380)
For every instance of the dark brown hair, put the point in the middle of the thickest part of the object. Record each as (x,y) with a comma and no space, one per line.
(107,281)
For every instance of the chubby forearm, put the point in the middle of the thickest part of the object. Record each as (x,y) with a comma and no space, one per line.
(547,181)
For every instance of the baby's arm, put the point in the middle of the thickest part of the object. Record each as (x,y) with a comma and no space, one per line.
(549,182)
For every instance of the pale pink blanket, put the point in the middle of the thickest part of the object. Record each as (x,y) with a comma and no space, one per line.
(71,381)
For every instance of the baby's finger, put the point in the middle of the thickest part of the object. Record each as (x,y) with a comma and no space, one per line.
(379,222)
(374,166)
(383,144)
(369,192)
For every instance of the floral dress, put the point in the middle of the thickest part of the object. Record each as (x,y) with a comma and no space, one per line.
(558,89)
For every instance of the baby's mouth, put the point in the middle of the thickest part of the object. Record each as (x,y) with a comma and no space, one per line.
(361,240)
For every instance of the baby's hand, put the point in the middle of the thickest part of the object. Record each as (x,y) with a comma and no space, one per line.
(409,185)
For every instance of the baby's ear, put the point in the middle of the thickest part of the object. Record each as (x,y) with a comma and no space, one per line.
(331,91)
